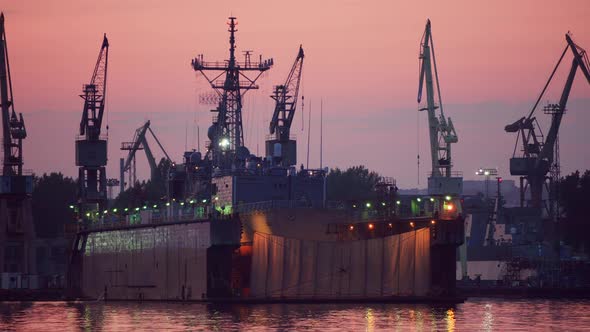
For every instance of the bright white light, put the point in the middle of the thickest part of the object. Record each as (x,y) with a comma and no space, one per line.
(224,143)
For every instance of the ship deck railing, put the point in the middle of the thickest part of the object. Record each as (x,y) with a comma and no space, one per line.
(354,212)
(125,222)
(277,204)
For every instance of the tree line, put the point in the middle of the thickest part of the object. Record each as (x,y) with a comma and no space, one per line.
(54,193)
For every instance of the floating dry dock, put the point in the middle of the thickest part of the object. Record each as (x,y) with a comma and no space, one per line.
(273,254)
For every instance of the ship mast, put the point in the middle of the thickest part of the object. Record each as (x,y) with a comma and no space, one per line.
(226,133)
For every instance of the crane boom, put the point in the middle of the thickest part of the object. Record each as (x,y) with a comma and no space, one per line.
(94,95)
(13,126)
(281,147)
(580,61)
(441,130)
(91,147)
(17,229)
(140,143)
(285,97)
(539,156)
(137,144)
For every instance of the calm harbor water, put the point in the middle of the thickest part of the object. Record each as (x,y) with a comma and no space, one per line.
(473,315)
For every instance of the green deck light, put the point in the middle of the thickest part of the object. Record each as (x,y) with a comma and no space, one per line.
(383,203)
(181,203)
(115,210)
(155,206)
(398,202)
(419,199)
(126,209)
(431,199)
(136,209)
(105,211)
(448,198)
(368,205)
(204,201)
(145,207)
(71,206)
(87,214)
(192,201)
(168,204)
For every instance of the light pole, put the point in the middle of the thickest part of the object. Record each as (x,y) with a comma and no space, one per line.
(487,172)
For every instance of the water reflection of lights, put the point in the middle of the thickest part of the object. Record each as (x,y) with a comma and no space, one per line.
(370,320)
(450,318)
(87,318)
(488,318)
(473,315)
(419,321)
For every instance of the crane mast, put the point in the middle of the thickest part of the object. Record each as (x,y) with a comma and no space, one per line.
(281,146)
(13,126)
(17,231)
(441,130)
(91,146)
(539,156)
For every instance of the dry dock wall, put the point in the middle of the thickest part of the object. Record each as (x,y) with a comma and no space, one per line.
(162,263)
(169,262)
(397,265)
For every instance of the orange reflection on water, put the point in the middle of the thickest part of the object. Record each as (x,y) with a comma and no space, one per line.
(450,319)
(473,315)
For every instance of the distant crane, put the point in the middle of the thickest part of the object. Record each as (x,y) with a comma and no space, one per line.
(91,146)
(442,131)
(139,143)
(539,157)
(226,134)
(13,126)
(285,96)
(17,230)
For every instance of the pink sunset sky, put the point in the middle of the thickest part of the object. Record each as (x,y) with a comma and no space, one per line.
(361,61)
